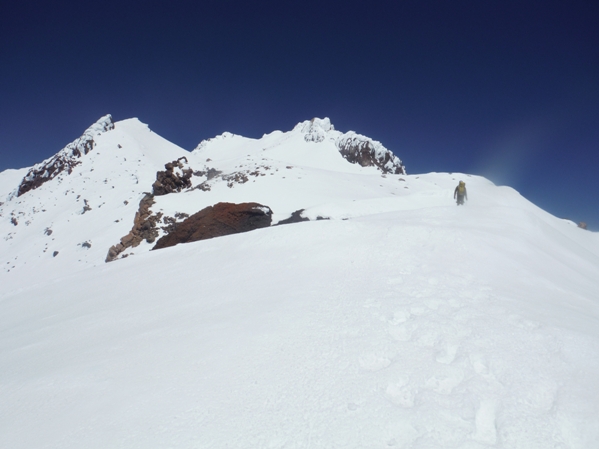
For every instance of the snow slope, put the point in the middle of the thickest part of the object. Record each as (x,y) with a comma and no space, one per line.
(403,321)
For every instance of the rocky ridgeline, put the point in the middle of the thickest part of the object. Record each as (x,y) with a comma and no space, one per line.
(366,152)
(144,228)
(355,148)
(65,159)
(146,224)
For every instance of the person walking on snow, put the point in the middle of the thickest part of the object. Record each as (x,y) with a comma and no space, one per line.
(460,193)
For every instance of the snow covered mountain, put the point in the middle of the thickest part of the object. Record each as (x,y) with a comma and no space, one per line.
(390,318)
(81,202)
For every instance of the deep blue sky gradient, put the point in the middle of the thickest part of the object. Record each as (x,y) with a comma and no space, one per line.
(505,89)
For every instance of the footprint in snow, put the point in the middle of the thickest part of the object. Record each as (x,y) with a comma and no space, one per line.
(444,382)
(447,353)
(395,281)
(401,394)
(425,338)
(486,429)
(479,363)
(524,323)
(373,362)
(418,310)
(401,332)
(400,316)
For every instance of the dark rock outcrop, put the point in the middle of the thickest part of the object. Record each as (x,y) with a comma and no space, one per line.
(174,179)
(296,217)
(66,159)
(144,228)
(366,152)
(209,173)
(216,221)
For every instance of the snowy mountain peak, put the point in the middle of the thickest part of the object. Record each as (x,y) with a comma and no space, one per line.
(135,187)
(354,147)
(102,125)
(65,159)
(315,130)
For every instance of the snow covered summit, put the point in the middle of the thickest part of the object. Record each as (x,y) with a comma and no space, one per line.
(356,148)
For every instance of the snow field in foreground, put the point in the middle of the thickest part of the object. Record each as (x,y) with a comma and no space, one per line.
(441,327)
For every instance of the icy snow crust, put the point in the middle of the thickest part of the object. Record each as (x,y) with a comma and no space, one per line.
(403,321)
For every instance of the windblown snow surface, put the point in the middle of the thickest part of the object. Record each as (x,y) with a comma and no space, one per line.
(403,321)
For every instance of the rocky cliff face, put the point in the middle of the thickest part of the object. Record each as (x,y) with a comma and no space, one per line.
(65,159)
(366,152)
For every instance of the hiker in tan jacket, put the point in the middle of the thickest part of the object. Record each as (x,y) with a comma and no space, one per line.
(460,193)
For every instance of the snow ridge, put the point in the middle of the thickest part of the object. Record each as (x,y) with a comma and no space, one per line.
(65,159)
(204,143)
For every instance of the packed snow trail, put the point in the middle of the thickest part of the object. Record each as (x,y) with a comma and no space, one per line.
(470,327)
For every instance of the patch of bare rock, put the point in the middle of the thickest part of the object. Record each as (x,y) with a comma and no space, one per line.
(298,217)
(174,179)
(360,150)
(144,228)
(216,221)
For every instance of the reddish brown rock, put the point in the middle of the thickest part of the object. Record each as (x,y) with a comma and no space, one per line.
(144,228)
(216,221)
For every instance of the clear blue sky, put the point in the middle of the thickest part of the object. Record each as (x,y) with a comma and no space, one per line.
(506,89)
